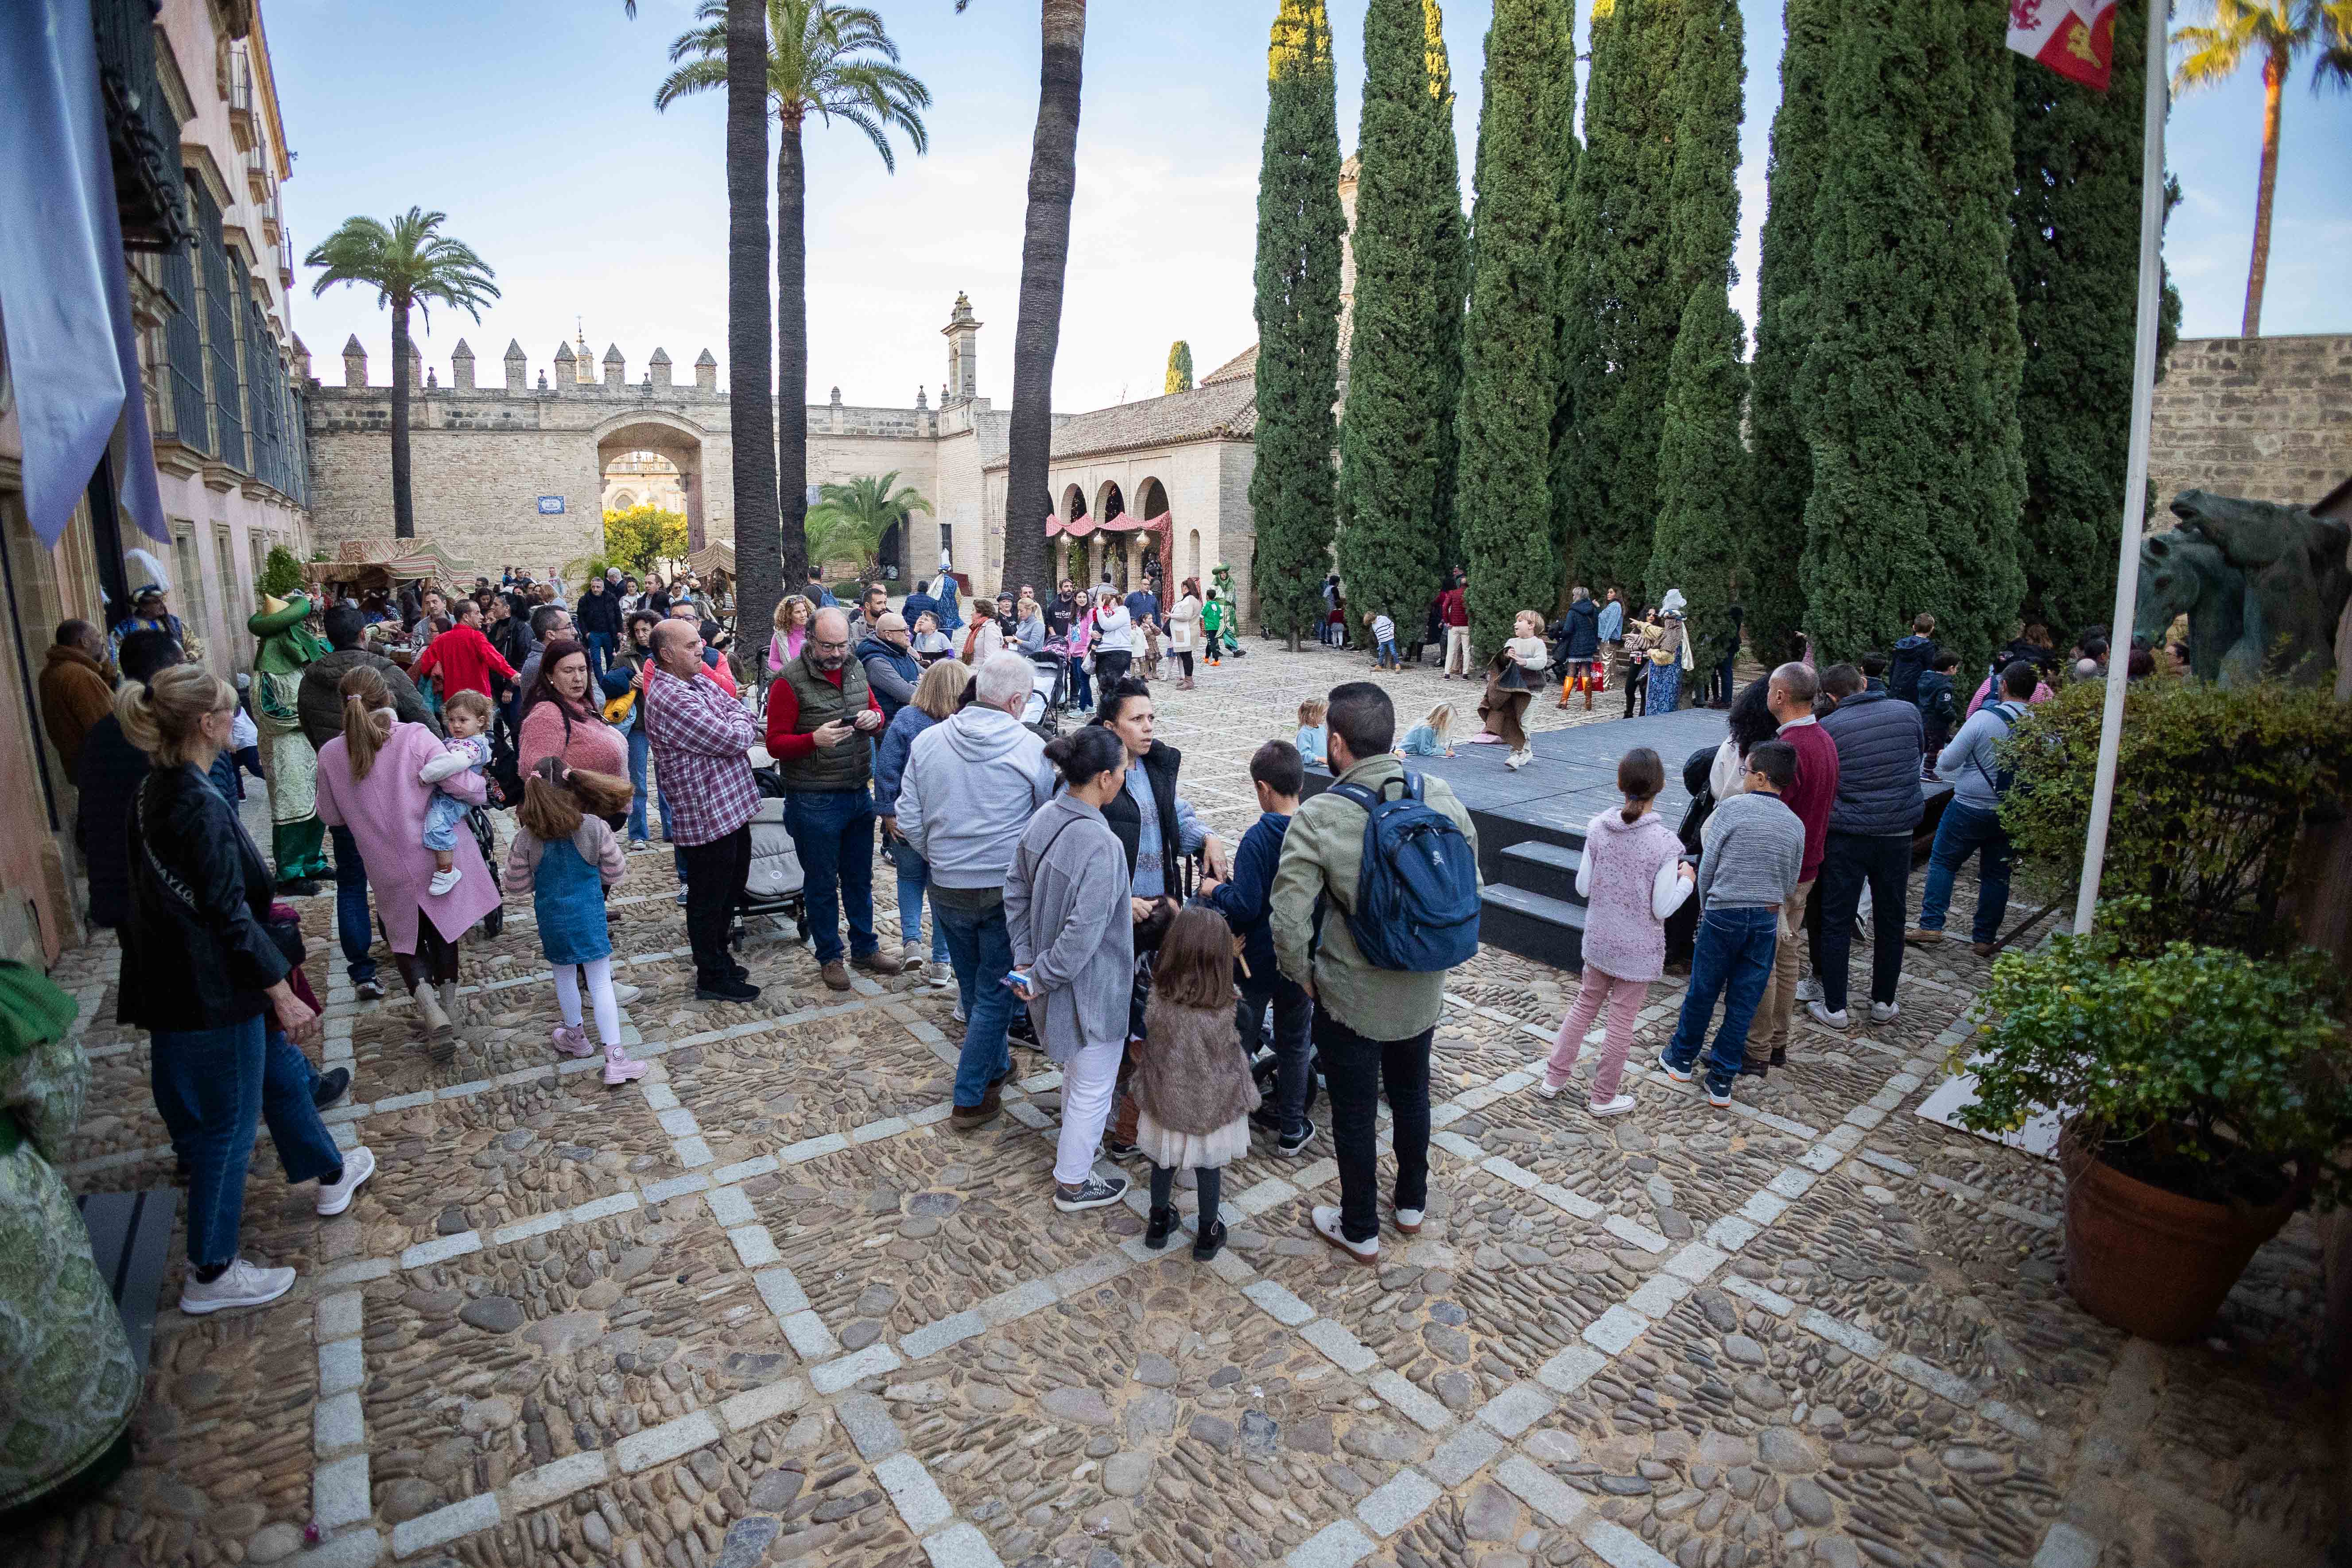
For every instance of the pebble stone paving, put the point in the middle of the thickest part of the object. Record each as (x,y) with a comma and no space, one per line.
(765,1306)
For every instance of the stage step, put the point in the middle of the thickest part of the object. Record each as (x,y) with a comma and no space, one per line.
(1547,930)
(1542,866)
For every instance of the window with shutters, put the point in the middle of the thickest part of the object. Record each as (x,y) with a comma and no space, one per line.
(262,383)
(223,386)
(184,350)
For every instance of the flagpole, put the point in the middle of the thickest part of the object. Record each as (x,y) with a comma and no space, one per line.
(2119,632)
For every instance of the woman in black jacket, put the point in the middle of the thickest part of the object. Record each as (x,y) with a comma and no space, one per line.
(205,975)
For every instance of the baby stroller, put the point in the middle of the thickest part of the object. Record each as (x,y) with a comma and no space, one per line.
(773,885)
(1048,692)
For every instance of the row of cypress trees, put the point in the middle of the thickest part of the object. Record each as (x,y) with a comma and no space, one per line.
(1935,415)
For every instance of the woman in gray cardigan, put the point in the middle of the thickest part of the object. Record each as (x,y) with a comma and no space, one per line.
(1065,905)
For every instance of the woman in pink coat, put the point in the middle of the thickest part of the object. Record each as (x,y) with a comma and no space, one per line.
(368,783)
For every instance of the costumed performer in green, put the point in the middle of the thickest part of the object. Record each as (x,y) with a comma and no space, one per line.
(297,836)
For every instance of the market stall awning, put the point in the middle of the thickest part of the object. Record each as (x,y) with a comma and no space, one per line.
(718,556)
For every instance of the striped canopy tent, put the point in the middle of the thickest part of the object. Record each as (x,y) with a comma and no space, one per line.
(715,561)
(1081,526)
(381,563)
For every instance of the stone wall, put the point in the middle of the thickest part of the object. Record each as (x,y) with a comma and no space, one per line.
(2267,418)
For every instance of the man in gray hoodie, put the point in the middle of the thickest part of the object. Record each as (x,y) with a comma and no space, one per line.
(972,785)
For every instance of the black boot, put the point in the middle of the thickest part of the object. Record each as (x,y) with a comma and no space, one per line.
(1209,1243)
(1162,1223)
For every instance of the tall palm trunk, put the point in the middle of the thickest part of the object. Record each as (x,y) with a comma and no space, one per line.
(2274,70)
(404,507)
(750,406)
(1045,256)
(792,356)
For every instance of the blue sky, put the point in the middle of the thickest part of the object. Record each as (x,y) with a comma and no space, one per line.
(531,123)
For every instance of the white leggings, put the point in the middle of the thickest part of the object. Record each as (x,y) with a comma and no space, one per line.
(1088,1080)
(600,996)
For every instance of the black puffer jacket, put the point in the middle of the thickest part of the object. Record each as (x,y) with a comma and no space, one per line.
(111,772)
(195,953)
(1878,738)
(1581,631)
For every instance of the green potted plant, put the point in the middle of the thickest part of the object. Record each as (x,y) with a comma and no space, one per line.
(2205,1095)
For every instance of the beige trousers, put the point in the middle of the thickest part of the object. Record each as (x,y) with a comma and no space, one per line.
(1457,650)
(1778,1010)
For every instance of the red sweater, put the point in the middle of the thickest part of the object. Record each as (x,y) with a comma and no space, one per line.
(1816,789)
(466,661)
(1451,609)
(784,717)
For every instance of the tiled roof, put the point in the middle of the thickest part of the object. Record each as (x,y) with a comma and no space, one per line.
(1227,411)
(1243,366)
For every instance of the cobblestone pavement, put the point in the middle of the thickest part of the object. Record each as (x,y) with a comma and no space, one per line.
(765,1306)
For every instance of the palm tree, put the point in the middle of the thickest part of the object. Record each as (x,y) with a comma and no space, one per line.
(1045,257)
(834,62)
(2276,31)
(850,519)
(409,263)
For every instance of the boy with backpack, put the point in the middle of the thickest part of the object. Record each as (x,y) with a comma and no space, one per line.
(1971,820)
(1939,706)
(1754,847)
(1389,859)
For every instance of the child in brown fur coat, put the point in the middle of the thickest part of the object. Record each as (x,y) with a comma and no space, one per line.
(1192,1086)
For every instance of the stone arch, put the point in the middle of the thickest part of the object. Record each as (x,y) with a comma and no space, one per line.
(1109,503)
(622,501)
(1151,501)
(668,436)
(1074,503)
(1111,554)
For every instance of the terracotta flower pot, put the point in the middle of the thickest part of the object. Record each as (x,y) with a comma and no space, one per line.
(2151,1262)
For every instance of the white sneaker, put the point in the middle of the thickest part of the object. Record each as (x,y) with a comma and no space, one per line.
(1886,1012)
(1617,1107)
(359,1164)
(959,1013)
(443,881)
(240,1285)
(624,993)
(1409,1221)
(1548,1090)
(1519,759)
(1827,1019)
(1808,989)
(1325,1218)
(939,975)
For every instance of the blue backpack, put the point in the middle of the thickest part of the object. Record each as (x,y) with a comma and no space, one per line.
(1417,892)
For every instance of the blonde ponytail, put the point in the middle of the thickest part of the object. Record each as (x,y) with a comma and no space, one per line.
(164,716)
(364,692)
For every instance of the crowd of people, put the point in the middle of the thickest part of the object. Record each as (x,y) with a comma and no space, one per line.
(1078,902)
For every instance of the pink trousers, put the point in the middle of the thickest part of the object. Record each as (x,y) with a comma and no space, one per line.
(1624,999)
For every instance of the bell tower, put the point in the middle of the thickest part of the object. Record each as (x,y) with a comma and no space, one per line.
(962,334)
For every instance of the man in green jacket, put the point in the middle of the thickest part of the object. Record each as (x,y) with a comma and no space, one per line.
(1372,1025)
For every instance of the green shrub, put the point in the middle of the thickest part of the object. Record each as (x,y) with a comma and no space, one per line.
(2213,789)
(281,573)
(2196,1069)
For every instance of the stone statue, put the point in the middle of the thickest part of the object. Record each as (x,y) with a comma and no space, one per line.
(2264,587)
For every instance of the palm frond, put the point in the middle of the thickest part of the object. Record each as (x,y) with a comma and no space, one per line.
(835,61)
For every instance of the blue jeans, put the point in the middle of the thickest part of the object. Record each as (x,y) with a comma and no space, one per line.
(211,1086)
(1082,691)
(1388,654)
(639,746)
(1293,1048)
(914,876)
(1964,831)
(980,947)
(832,830)
(599,651)
(352,905)
(1734,960)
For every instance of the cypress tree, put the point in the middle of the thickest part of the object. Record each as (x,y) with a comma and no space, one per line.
(2074,260)
(1576,345)
(1399,382)
(1449,248)
(1292,487)
(1624,197)
(1781,466)
(1180,367)
(1509,356)
(1702,467)
(1908,394)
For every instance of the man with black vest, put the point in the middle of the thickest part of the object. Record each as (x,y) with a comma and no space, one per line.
(1878,802)
(819,712)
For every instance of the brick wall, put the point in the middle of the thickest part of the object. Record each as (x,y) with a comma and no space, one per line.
(2266,419)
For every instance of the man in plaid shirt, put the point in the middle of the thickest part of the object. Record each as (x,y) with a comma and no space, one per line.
(700,738)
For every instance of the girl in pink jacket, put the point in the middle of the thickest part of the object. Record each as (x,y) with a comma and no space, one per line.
(1632,876)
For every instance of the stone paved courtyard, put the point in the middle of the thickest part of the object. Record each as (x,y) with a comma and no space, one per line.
(765,1307)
